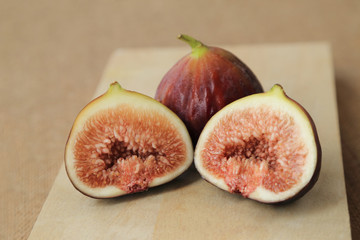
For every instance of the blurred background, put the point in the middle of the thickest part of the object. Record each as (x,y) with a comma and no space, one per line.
(53,53)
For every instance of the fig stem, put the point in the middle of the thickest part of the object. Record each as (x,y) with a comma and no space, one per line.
(115,86)
(277,89)
(198,48)
(190,40)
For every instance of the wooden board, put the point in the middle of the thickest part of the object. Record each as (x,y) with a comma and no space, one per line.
(189,207)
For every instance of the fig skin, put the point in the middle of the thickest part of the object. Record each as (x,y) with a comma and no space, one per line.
(278,91)
(117,97)
(316,174)
(203,82)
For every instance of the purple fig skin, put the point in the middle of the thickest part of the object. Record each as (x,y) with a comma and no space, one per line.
(66,167)
(316,174)
(198,86)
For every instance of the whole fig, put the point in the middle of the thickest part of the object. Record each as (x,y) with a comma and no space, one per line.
(203,82)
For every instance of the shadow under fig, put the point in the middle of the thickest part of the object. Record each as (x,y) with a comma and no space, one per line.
(188,177)
(349,120)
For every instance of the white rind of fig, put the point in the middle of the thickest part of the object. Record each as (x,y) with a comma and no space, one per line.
(118,98)
(273,101)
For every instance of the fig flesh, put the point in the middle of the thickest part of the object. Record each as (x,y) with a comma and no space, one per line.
(203,82)
(124,142)
(264,146)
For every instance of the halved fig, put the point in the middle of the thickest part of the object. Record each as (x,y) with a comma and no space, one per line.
(124,142)
(263,146)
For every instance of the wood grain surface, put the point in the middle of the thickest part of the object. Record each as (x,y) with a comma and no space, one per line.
(189,207)
(52,55)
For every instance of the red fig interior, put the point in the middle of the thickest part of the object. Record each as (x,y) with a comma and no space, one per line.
(122,147)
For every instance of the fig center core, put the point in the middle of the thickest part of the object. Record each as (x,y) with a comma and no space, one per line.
(120,150)
(253,149)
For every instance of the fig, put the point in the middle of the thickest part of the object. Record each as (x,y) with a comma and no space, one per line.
(264,146)
(124,142)
(203,82)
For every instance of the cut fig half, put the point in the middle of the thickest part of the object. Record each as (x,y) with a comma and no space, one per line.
(264,146)
(124,142)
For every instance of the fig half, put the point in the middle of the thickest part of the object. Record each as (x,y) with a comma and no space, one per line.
(124,142)
(264,146)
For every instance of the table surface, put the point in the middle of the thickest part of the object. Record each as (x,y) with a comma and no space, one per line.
(52,55)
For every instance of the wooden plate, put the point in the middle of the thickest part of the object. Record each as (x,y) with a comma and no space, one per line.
(190,208)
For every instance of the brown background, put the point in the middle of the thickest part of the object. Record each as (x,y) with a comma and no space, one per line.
(52,54)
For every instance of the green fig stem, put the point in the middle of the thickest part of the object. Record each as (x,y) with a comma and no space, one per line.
(114,87)
(277,89)
(198,48)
